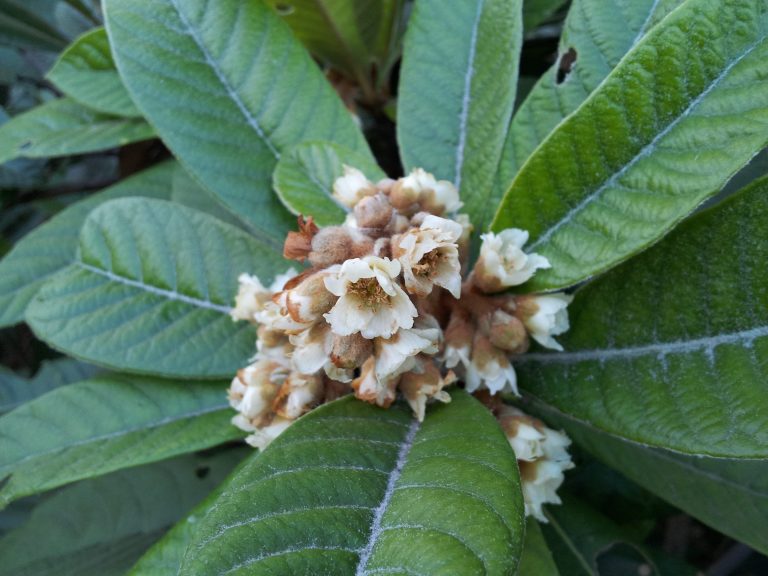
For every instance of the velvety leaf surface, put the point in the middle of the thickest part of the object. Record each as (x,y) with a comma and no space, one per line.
(110,422)
(536,11)
(681,113)
(457,90)
(15,390)
(599,34)
(86,72)
(51,246)
(671,349)
(537,559)
(304,179)
(729,495)
(63,127)
(353,489)
(100,527)
(185,191)
(228,88)
(151,289)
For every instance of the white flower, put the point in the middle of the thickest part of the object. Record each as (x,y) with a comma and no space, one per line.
(489,368)
(545,316)
(312,353)
(370,299)
(371,389)
(252,295)
(435,196)
(253,391)
(429,256)
(275,316)
(351,187)
(297,394)
(397,354)
(425,383)
(458,340)
(263,437)
(502,262)
(309,299)
(525,434)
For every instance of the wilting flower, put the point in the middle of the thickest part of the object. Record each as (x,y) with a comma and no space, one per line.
(252,295)
(369,388)
(429,256)
(423,189)
(545,316)
(313,351)
(425,383)
(263,436)
(370,299)
(297,394)
(502,262)
(253,390)
(352,187)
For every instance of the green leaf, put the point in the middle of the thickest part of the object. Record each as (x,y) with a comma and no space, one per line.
(536,11)
(353,489)
(357,37)
(671,349)
(62,128)
(100,527)
(228,89)
(150,291)
(537,559)
(578,534)
(184,190)
(86,72)
(599,34)
(457,90)
(304,179)
(679,115)
(22,27)
(15,391)
(731,496)
(51,247)
(130,420)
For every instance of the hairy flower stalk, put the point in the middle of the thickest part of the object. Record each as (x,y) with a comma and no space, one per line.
(386,308)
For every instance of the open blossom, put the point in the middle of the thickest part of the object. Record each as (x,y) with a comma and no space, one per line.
(252,295)
(370,299)
(429,256)
(502,262)
(352,187)
(370,388)
(545,316)
(397,354)
(254,389)
(435,196)
(489,368)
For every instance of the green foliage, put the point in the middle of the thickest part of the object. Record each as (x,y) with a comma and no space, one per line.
(457,89)
(63,127)
(130,420)
(218,80)
(304,179)
(351,485)
(51,247)
(86,72)
(683,111)
(537,11)
(537,559)
(690,327)
(150,291)
(21,26)
(100,527)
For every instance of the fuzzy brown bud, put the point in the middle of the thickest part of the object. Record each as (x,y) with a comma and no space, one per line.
(335,244)
(309,299)
(508,333)
(349,352)
(373,212)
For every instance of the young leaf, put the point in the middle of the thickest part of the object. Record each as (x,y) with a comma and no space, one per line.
(537,559)
(353,489)
(86,72)
(228,89)
(304,179)
(150,291)
(15,391)
(457,91)
(100,527)
(128,421)
(680,114)
(62,128)
(671,349)
(595,37)
(51,247)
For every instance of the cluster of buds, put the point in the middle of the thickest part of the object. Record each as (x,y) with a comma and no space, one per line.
(384,307)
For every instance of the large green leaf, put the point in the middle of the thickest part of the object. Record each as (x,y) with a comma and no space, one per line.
(457,90)
(63,127)
(671,349)
(599,34)
(679,115)
(86,72)
(228,89)
(15,390)
(537,559)
(184,190)
(51,247)
(100,527)
(129,420)
(150,291)
(304,179)
(357,37)
(729,495)
(21,26)
(353,489)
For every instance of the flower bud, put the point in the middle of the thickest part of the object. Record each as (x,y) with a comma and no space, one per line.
(308,299)
(349,352)
(350,188)
(508,333)
(545,316)
(373,212)
(502,262)
(297,394)
(335,244)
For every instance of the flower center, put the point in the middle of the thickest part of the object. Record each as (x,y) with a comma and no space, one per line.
(428,264)
(369,292)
